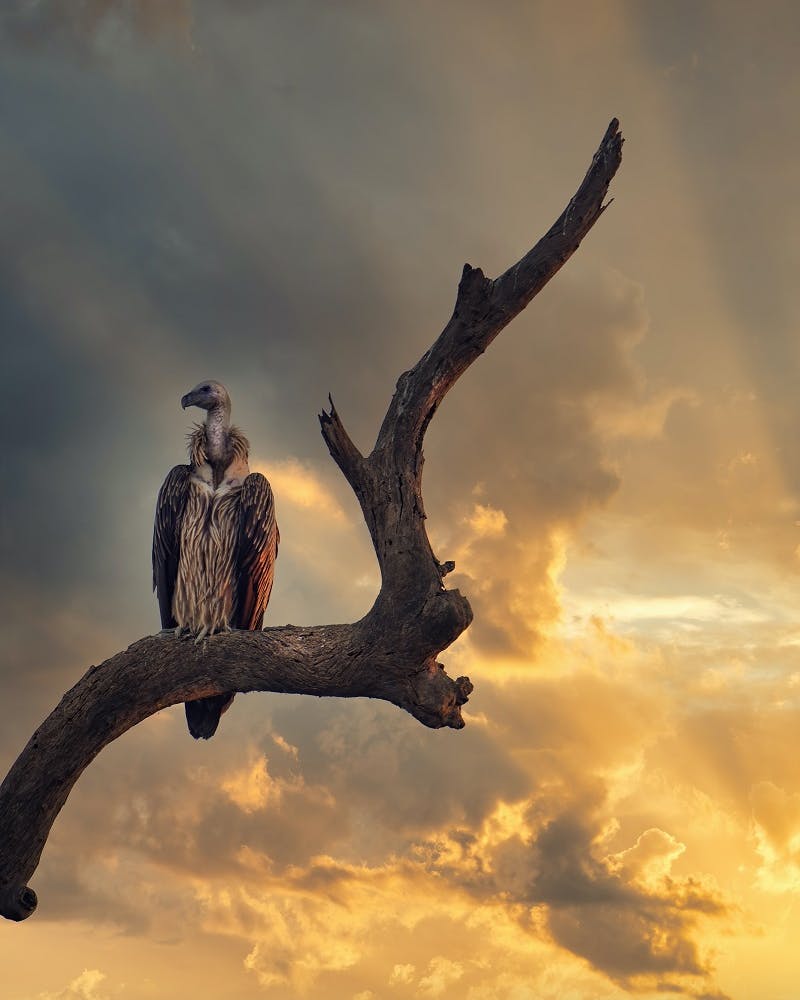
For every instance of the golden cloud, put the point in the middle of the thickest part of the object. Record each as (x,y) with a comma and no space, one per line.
(86,986)
(295,482)
(252,788)
(776,828)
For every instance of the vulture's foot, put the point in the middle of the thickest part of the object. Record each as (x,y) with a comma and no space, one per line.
(206,632)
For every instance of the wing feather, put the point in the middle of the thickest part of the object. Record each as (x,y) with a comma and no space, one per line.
(258,550)
(170,506)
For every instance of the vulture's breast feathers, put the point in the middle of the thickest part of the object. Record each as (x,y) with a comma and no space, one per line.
(207,582)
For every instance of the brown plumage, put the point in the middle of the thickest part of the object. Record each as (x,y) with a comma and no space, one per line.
(215,540)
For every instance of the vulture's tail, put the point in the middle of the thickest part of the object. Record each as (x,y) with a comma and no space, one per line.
(203,715)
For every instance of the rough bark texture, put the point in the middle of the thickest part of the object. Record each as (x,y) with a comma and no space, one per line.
(389,654)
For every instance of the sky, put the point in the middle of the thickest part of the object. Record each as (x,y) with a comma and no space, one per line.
(281,196)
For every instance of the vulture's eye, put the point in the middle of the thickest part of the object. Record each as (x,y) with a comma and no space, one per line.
(205,388)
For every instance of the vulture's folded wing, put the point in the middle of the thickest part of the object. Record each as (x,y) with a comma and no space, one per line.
(167,539)
(258,549)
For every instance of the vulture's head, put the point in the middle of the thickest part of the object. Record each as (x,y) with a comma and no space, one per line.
(208,395)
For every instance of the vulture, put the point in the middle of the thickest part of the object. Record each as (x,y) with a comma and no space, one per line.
(215,540)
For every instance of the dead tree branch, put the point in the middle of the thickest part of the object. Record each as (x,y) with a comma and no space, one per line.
(389,654)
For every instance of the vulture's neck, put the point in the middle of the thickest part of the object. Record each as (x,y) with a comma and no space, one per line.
(218,441)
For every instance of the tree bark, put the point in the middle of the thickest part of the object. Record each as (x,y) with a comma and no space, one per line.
(389,654)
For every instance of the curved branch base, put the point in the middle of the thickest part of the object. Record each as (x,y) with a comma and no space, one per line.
(367,659)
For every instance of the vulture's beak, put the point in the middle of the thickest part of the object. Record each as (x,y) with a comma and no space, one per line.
(186,400)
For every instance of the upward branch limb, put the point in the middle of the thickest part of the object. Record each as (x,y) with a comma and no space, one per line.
(389,654)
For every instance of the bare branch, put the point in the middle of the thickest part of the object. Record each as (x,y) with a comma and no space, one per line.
(390,654)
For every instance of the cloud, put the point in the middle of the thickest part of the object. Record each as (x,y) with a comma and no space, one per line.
(518,874)
(776,829)
(283,201)
(542,431)
(633,930)
(402,974)
(294,843)
(298,484)
(440,975)
(625,913)
(321,919)
(252,788)
(486,522)
(86,986)
(649,860)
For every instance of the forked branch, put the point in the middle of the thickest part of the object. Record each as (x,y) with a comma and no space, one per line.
(389,654)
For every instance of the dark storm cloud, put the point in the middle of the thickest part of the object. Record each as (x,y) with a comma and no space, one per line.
(625,930)
(641,933)
(147,244)
(619,908)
